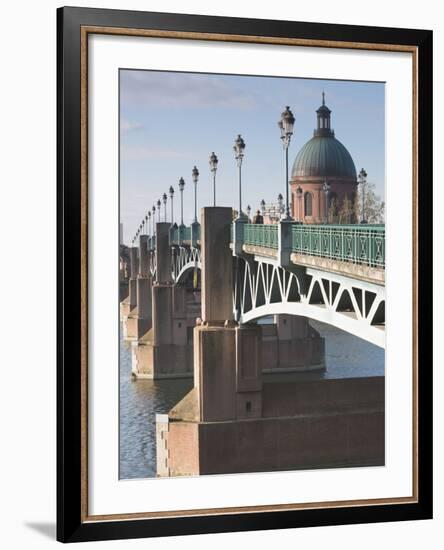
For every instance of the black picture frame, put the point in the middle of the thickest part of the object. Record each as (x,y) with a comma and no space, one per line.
(71,523)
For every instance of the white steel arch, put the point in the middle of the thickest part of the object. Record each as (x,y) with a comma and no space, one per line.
(262,287)
(183,258)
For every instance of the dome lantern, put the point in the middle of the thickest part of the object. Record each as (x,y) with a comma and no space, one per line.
(324,127)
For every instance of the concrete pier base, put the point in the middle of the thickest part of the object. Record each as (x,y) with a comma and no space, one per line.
(123,290)
(139,320)
(158,362)
(166,350)
(227,371)
(135,327)
(291,344)
(304,425)
(128,305)
(124,309)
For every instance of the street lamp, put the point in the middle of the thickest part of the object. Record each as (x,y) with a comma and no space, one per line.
(154,218)
(195,176)
(263,207)
(299,194)
(146,225)
(362,181)
(326,189)
(280,204)
(248,211)
(181,187)
(213,167)
(164,199)
(172,197)
(286,124)
(159,204)
(149,221)
(239,148)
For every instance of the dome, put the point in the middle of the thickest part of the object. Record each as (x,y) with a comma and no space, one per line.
(324,156)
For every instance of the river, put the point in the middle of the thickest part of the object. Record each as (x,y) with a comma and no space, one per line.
(140,400)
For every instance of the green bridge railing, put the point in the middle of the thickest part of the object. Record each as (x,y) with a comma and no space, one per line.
(175,236)
(361,244)
(261,235)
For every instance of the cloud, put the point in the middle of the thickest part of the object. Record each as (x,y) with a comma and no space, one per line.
(126,126)
(140,152)
(165,89)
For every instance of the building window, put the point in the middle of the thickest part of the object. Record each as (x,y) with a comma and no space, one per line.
(308,207)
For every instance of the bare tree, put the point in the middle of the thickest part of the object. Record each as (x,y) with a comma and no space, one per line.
(333,211)
(346,214)
(373,209)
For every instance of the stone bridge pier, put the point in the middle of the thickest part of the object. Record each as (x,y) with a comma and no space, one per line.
(139,319)
(164,351)
(233,420)
(227,359)
(129,305)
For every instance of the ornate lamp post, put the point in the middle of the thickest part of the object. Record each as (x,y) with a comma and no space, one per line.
(263,207)
(326,189)
(239,148)
(362,181)
(213,167)
(181,188)
(286,124)
(299,194)
(164,199)
(195,176)
(171,190)
(159,204)
(146,225)
(154,219)
(281,204)
(248,212)
(143,226)
(149,222)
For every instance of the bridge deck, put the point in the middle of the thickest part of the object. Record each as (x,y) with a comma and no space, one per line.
(356,271)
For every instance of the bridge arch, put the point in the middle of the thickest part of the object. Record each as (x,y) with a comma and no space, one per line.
(179,277)
(262,288)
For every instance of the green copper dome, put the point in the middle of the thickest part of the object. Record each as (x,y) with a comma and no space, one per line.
(324,156)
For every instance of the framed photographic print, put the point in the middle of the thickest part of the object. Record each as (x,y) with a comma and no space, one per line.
(244,274)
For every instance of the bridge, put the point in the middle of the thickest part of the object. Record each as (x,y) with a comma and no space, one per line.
(195,294)
(330,273)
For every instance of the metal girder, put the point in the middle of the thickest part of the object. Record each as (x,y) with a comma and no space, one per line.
(183,258)
(261,288)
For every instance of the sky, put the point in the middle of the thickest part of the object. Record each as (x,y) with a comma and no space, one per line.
(171,121)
